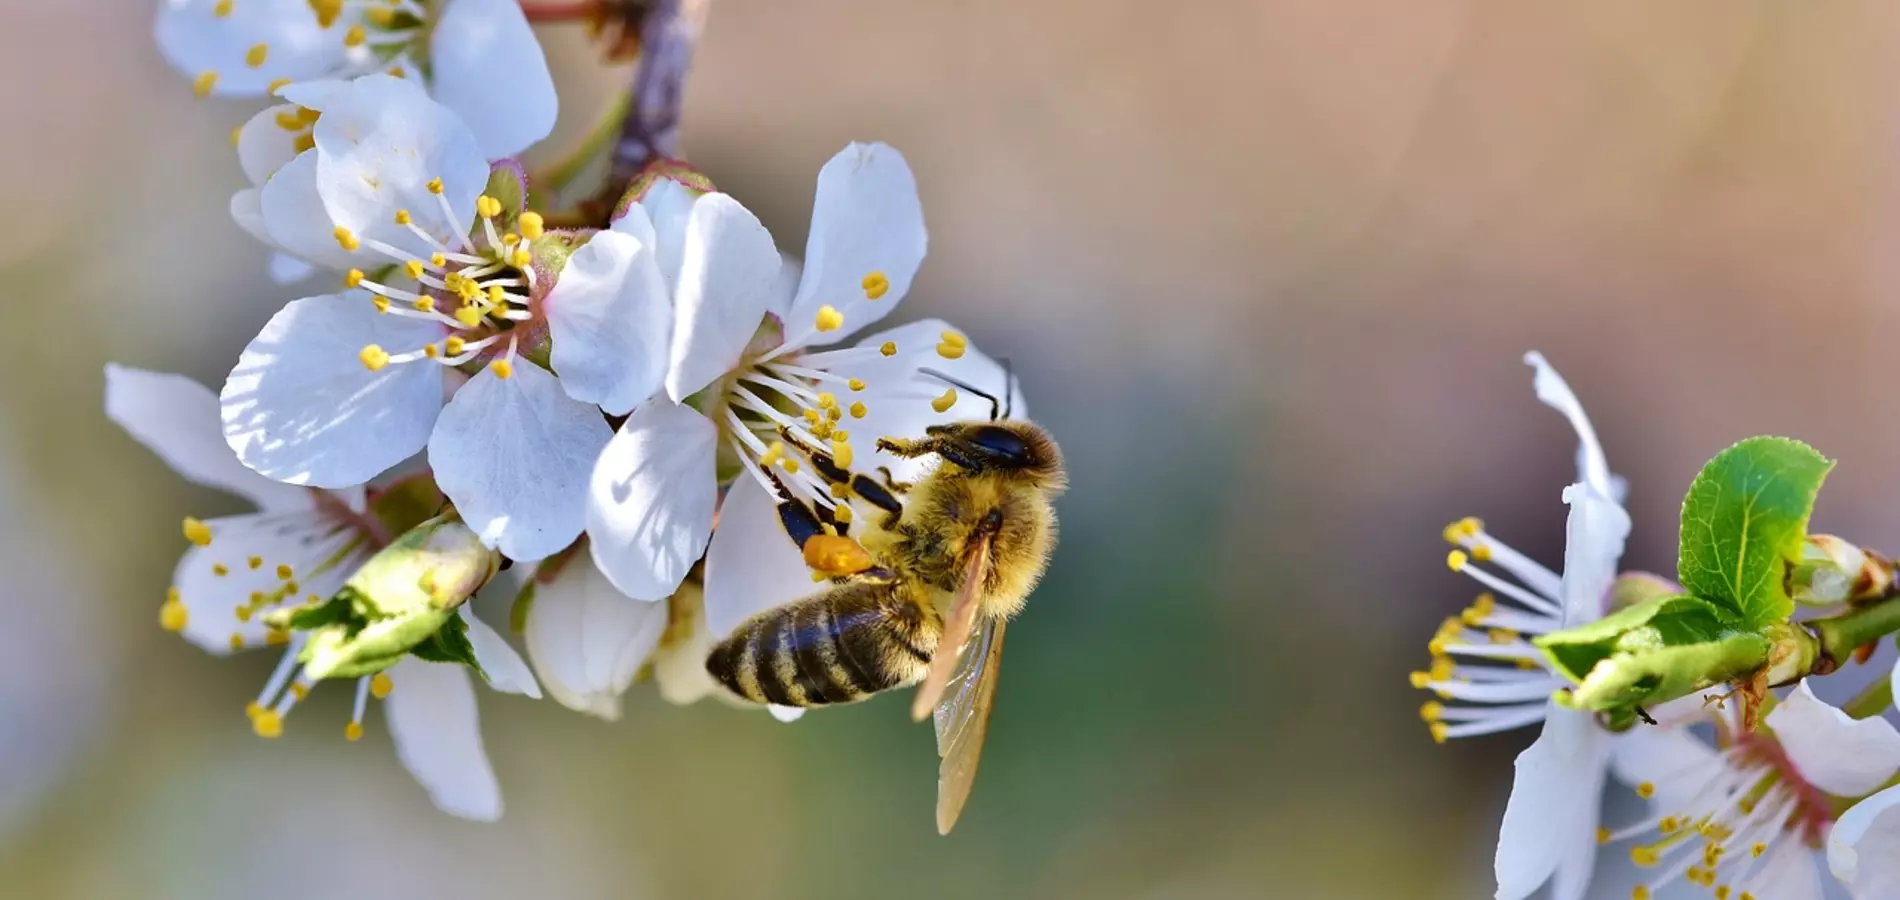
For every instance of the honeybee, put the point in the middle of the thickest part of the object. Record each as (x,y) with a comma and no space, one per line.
(921,596)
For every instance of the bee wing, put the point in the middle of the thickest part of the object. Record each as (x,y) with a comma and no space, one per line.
(956,633)
(963,721)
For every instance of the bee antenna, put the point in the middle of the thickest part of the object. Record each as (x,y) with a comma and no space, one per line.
(973,389)
(1009,386)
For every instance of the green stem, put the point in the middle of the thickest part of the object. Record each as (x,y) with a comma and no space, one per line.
(1871,702)
(556,176)
(1841,635)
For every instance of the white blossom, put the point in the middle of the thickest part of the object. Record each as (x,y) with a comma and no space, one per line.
(483,59)
(302,544)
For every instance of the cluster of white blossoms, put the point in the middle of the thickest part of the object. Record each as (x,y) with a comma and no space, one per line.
(609,403)
(1744,813)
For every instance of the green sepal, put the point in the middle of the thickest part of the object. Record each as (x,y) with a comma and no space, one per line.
(1744,522)
(1650,653)
(655,171)
(507,183)
(450,644)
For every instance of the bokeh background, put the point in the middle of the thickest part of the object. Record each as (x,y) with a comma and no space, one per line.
(1266,269)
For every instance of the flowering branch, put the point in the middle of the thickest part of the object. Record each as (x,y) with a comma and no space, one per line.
(1838,637)
(667,36)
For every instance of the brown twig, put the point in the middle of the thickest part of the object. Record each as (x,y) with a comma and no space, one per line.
(667,38)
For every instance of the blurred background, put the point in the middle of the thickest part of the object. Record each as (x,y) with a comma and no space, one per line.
(1267,271)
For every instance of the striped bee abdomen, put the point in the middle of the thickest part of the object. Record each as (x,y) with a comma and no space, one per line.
(839,646)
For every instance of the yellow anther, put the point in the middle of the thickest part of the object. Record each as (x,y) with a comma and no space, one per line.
(435,185)
(203,84)
(1432,711)
(532,225)
(197,532)
(237,135)
(1746,896)
(237,641)
(822,429)
(253,709)
(1442,668)
(223,8)
(1756,850)
(1603,835)
(327,11)
(414,268)
(521,258)
(510,239)
(346,239)
(353,278)
(1640,892)
(1669,825)
(469,316)
(288,120)
(304,142)
(839,434)
(812,416)
(773,453)
(1479,610)
(1481,552)
(244,613)
(220,569)
(380,685)
(285,573)
(791,466)
(431,351)
(942,404)
(841,454)
(172,615)
(1502,636)
(1440,731)
(1645,856)
(829,318)
(496,295)
(858,410)
(842,514)
(267,724)
(503,369)
(255,56)
(453,345)
(1646,790)
(381,303)
(834,413)
(403,217)
(1421,680)
(487,207)
(299,690)
(951,351)
(955,339)
(356,36)
(353,731)
(424,303)
(276,637)
(1457,559)
(856,384)
(1721,892)
(888,349)
(374,358)
(875,285)
(278,84)
(381,16)
(438,260)
(840,491)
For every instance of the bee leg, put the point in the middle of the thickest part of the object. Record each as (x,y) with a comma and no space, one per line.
(891,482)
(803,521)
(948,449)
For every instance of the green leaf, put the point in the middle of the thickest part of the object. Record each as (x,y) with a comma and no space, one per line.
(1743,524)
(1652,652)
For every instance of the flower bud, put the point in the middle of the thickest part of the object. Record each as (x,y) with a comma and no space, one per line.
(404,596)
(1833,571)
(666,187)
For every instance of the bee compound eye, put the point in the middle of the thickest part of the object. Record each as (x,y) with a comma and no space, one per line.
(1000,442)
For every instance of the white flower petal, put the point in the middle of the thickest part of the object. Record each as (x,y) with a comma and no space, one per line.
(726,285)
(177,418)
(514,455)
(438,737)
(1863,847)
(301,407)
(315,93)
(490,70)
(294,219)
(1672,760)
(668,205)
(679,666)
(506,672)
(588,640)
(866,218)
(1555,393)
(264,146)
(895,397)
(379,144)
(196,40)
(1554,802)
(650,506)
(752,564)
(610,318)
(247,210)
(1593,544)
(1791,872)
(302,541)
(287,269)
(1832,750)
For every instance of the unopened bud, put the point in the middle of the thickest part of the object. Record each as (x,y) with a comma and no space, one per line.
(1833,571)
